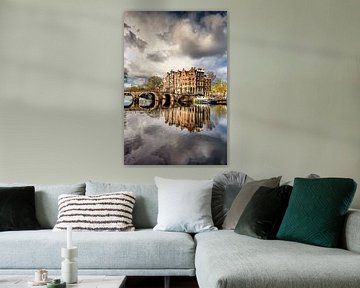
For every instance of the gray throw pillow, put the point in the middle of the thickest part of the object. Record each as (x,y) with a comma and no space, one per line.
(184,205)
(242,199)
(226,187)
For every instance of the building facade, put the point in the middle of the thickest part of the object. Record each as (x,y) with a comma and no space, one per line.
(190,82)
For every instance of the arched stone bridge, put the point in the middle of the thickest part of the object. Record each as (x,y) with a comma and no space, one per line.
(153,99)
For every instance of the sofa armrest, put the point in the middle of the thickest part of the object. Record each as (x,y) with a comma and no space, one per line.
(351,234)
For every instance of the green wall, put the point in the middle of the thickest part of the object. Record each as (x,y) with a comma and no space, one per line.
(294,75)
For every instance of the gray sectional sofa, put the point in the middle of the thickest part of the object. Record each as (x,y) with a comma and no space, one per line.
(226,259)
(219,259)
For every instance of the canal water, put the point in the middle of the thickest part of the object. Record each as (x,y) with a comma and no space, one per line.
(177,135)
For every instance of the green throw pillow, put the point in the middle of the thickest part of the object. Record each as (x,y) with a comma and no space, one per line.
(316,211)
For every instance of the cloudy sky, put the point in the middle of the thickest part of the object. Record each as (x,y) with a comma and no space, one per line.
(157,42)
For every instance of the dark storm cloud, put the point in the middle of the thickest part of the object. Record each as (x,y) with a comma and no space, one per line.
(158,56)
(198,37)
(185,39)
(133,41)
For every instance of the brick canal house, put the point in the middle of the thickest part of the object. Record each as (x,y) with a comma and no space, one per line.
(189,82)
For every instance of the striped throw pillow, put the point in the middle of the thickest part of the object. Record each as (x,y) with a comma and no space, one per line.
(105,212)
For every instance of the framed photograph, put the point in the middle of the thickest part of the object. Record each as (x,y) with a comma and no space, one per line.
(175,88)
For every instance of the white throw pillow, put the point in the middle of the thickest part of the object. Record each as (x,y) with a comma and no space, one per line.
(184,205)
(104,212)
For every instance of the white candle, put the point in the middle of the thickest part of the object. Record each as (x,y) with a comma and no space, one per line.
(69,239)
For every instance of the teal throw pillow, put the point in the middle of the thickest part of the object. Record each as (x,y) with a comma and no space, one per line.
(316,211)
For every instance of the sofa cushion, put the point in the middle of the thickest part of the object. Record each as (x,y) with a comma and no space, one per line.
(17,208)
(184,205)
(225,189)
(263,214)
(105,212)
(317,209)
(138,250)
(146,205)
(225,259)
(46,200)
(243,198)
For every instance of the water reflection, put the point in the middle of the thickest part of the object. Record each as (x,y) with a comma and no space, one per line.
(194,119)
(179,135)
